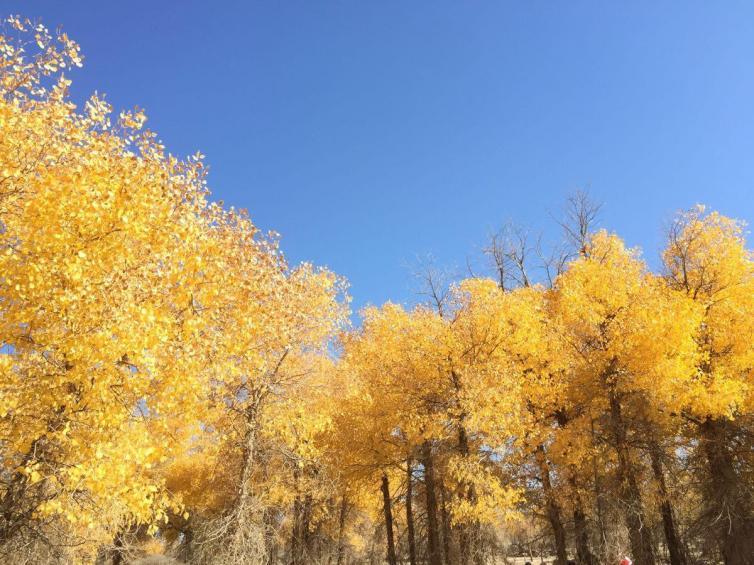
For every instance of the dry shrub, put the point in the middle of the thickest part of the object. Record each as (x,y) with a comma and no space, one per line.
(237,537)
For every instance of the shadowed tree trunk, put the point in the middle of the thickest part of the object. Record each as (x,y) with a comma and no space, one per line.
(118,550)
(433,537)
(730,497)
(672,538)
(599,506)
(552,506)
(342,530)
(410,513)
(583,551)
(639,532)
(446,532)
(306,538)
(387,508)
(580,526)
(464,534)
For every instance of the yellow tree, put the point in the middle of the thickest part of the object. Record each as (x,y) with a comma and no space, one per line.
(706,261)
(440,394)
(136,319)
(394,358)
(100,249)
(537,359)
(484,408)
(633,350)
(269,327)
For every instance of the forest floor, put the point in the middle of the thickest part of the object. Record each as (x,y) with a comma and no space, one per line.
(162,560)
(533,561)
(156,560)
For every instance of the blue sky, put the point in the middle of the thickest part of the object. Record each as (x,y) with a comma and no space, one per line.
(370,133)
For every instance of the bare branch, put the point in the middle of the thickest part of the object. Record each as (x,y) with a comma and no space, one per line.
(508,251)
(434,283)
(581,214)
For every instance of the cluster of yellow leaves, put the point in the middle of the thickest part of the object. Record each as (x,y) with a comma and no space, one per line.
(708,263)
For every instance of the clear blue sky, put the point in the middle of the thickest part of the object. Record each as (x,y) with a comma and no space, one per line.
(368,133)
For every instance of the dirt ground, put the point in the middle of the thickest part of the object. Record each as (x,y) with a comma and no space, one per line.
(159,560)
(535,561)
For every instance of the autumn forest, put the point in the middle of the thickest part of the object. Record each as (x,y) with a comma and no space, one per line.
(172,388)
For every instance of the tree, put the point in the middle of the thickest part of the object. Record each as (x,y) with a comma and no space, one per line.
(706,260)
(139,322)
(633,346)
(101,242)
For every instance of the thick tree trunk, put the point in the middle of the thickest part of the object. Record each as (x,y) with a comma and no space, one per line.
(387,508)
(580,526)
(639,533)
(410,513)
(306,538)
(433,537)
(186,551)
(599,506)
(730,497)
(268,522)
(342,531)
(242,518)
(118,550)
(672,538)
(464,543)
(446,532)
(583,551)
(553,508)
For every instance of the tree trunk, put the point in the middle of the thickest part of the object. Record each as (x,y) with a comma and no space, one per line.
(729,496)
(186,549)
(580,526)
(306,539)
(599,506)
(673,540)
(268,522)
(446,533)
(583,551)
(410,513)
(468,538)
(433,537)
(342,530)
(118,550)
(296,522)
(387,507)
(553,508)
(639,533)
(243,496)
(464,544)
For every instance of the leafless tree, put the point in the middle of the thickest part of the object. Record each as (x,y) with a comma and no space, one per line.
(508,251)
(434,283)
(581,215)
